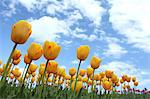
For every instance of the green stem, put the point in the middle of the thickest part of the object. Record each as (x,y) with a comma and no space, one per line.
(8,61)
(70,82)
(77,75)
(87,83)
(93,79)
(24,70)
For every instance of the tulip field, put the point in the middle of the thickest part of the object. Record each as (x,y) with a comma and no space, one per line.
(48,80)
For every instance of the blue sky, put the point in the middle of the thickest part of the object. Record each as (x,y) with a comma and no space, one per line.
(116,31)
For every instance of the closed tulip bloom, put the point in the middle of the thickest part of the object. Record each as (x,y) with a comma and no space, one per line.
(79,78)
(33,74)
(90,82)
(124,77)
(102,74)
(27,76)
(1,62)
(1,70)
(95,62)
(52,67)
(21,32)
(104,79)
(82,72)
(136,83)
(32,79)
(96,77)
(33,67)
(51,50)
(41,69)
(35,51)
(89,71)
(27,60)
(133,79)
(109,73)
(114,78)
(16,72)
(67,77)
(121,81)
(16,54)
(128,79)
(15,62)
(60,71)
(83,52)
(72,71)
(78,86)
(85,79)
(106,85)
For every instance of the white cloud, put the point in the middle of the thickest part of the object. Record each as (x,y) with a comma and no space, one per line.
(48,28)
(75,62)
(115,50)
(131,19)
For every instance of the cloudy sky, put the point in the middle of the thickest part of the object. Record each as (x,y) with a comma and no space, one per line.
(116,30)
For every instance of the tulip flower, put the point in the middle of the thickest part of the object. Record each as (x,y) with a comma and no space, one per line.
(136,83)
(89,71)
(60,71)
(78,87)
(82,72)
(27,60)
(32,67)
(82,54)
(15,62)
(109,73)
(95,63)
(52,67)
(21,32)
(133,79)
(35,51)
(51,50)
(124,77)
(33,79)
(106,85)
(72,71)
(1,62)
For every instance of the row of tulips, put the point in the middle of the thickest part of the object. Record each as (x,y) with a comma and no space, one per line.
(52,79)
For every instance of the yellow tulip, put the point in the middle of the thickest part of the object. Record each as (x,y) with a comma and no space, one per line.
(95,62)
(27,76)
(89,71)
(82,72)
(106,85)
(136,83)
(114,78)
(78,86)
(79,78)
(85,79)
(52,67)
(1,62)
(16,54)
(33,79)
(67,77)
(104,79)
(27,60)
(41,69)
(109,73)
(96,77)
(128,79)
(124,77)
(133,79)
(35,51)
(51,50)
(102,74)
(83,52)
(16,72)
(72,71)
(21,32)
(1,70)
(15,62)
(33,74)
(33,67)
(60,71)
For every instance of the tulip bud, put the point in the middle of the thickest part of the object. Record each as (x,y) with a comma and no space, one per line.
(52,67)
(106,85)
(16,54)
(27,60)
(41,69)
(60,71)
(95,62)
(121,81)
(1,70)
(82,72)
(85,79)
(72,71)
(109,73)
(114,78)
(136,83)
(33,74)
(67,77)
(33,67)
(35,51)
(96,76)
(128,79)
(78,86)
(89,71)
(21,32)
(124,77)
(83,52)
(51,50)
(133,79)
(33,79)
(15,62)
(102,74)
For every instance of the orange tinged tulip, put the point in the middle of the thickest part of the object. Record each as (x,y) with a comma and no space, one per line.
(15,62)
(16,54)
(33,79)
(136,83)
(121,81)
(1,70)
(128,79)
(95,62)
(27,60)
(83,52)
(72,71)
(82,72)
(21,32)
(67,77)
(89,71)
(102,74)
(109,73)
(52,67)
(124,77)
(35,51)
(60,71)
(1,62)
(33,67)
(78,86)
(106,85)
(133,79)
(41,69)
(51,50)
